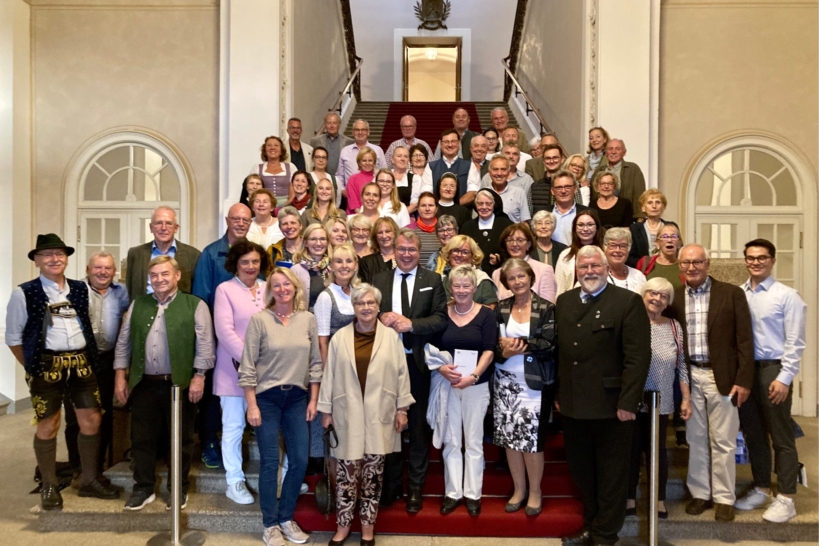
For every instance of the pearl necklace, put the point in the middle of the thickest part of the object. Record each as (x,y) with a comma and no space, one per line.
(471,307)
(284,316)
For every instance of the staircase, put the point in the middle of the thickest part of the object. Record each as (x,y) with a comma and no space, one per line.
(433,118)
(208,509)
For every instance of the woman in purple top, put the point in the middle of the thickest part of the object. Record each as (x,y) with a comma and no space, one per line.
(235,302)
(472,330)
(275,171)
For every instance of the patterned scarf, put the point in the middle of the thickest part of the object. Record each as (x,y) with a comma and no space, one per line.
(322,265)
(427,228)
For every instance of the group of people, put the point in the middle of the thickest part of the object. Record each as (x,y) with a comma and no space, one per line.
(415,294)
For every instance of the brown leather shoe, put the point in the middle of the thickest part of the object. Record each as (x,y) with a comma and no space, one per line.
(723,512)
(696,507)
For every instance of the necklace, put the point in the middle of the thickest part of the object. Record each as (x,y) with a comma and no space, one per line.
(281,315)
(471,307)
(648,225)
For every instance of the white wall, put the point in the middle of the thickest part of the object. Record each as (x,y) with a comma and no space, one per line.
(624,87)
(490,22)
(15,173)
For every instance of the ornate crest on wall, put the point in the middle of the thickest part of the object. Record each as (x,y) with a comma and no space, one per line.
(432,13)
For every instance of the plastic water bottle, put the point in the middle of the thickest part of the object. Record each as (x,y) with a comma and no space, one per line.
(742,450)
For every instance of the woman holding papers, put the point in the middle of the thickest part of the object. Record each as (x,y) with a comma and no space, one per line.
(524,386)
(470,338)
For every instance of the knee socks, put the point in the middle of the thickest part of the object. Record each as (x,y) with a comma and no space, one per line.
(46,453)
(89,448)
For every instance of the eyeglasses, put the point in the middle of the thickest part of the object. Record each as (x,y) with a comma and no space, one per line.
(551,159)
(563,188)
(688,263)
(461,251)
(54,254)
(517,241)
(605,183)
(586,226)
(360,130)
(453,141)
(669,237)
(319,157)
(418,156)
(761,259)
(661,295)
(237,220)
(448,229)
(589,267)
(617,246)
(365,304)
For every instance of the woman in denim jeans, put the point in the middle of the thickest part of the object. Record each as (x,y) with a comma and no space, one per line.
(281,374)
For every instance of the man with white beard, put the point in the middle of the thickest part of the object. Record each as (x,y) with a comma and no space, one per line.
(604,352)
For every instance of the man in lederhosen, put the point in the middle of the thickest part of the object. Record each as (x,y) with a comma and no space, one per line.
(49,332)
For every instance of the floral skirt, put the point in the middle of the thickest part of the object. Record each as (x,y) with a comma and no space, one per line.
(516,409)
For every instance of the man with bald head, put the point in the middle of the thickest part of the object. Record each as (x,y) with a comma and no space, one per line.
(331,140)
(210,273)
(500,121)
(479,147)
(460,122)
(719,352)
(632,181)
(408,127)
(163,227)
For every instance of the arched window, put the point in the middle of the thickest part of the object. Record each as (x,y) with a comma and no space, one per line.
(116,182)
(746,191)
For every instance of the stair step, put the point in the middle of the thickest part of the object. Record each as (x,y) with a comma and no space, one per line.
(560,516)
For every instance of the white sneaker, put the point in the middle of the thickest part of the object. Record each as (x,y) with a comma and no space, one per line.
(753,499)
(239,494)
(303,489)
(293,533)
(781,510)
(273,536)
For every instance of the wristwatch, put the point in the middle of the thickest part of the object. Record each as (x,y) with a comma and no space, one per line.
(477,377)
(201,372)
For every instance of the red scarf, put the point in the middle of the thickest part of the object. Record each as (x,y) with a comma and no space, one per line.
(299,204)
(426,228)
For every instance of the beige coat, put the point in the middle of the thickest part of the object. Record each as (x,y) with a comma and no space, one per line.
(387,389)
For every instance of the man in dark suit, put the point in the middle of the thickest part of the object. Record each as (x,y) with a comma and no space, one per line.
(450,163)
(632,181)
(331,140)
(604,352)
(719,351)
(163,227)
(413,303)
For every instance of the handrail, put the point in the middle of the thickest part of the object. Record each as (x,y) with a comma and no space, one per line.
(348,90)
(530,106)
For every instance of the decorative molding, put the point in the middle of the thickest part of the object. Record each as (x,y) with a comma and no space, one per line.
(283,81)
(514,47)
(349,38)
(593,14)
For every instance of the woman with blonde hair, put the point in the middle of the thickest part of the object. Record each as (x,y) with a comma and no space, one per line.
(382,241)
(323,207)
(598,138)
(644,231)
(311,264)
(370,202)
(614,211)
(281,374)
(579,167)
(390,204)
(463,250)
(366,161)
(338,230)
(360,230)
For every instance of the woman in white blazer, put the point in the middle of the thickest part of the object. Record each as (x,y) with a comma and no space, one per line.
(364,394)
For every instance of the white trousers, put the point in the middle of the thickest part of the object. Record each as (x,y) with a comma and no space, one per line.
(712,438)
(465,412)
(234,409)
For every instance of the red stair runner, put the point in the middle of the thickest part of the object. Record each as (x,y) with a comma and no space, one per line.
(562,510)
(433,118)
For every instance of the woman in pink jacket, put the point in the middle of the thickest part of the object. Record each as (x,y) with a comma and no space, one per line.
(235,302)
(517,241)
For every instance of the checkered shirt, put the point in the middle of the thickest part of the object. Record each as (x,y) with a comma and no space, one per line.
(696,319)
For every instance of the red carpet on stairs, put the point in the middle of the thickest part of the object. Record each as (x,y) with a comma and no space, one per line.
(433,118)
(562,510)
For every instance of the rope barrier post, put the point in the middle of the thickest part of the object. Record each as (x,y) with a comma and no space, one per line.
(653,464)
(175,537)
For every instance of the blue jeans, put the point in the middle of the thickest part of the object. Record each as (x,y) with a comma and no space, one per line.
(282,409)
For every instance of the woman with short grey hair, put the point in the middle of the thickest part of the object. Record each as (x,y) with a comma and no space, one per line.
(667,366)
(445,229)
(545,249)
(364,395)
(617,244)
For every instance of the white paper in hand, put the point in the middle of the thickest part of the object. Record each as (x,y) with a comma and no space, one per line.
(466,362)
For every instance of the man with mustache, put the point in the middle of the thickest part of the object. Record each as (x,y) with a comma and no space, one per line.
(604,350)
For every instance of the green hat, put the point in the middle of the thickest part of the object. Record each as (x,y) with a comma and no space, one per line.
(49,241)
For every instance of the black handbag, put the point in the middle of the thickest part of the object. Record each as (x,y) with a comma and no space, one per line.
(325,492)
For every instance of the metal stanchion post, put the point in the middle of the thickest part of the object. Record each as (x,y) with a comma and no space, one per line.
(175,537)
(654,466)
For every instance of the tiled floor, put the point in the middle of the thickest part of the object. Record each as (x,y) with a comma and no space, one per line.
(17,525)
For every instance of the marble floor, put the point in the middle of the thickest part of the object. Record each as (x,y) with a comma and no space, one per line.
(17,524)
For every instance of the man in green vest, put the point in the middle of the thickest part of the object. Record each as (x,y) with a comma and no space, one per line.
(147,366)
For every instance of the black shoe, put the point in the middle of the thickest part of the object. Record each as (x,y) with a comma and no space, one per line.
(631,512)
(338,542)
(581,538)
(50,498)
(389,496)
(315,466)
(696,507)
(415,502)
(184,502)
(138,500)
(368,542)
(99,490)
(662,514)
(473,506)
(449,505)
